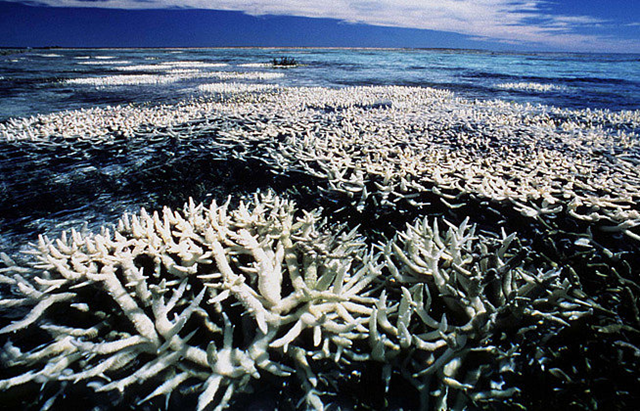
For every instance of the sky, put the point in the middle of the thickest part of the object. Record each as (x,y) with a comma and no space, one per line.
(515,25)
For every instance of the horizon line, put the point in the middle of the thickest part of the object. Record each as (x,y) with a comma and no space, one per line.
(308,48)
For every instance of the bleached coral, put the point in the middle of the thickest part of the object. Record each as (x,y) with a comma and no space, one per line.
(540,87)
(121,80)
(457,290)
(104,62)
(152,304)
(210,298)
(451,309)
(235,87)
(171,65)
(255,65)
(169,74)
(246,75)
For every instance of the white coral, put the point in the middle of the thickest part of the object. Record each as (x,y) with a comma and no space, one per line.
(211,298)
(151,302)
(456,290)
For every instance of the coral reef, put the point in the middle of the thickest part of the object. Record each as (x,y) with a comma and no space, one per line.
(170,76)
(459,292)
(235,87)
(419,301)
(172,65)
(122,80)
(387,146)
(207,299)
(155,303)
(539,87)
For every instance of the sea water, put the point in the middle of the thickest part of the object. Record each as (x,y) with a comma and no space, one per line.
(57,184)
(49,188)
(42,81)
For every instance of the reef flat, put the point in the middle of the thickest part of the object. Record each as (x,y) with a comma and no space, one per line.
(452,253)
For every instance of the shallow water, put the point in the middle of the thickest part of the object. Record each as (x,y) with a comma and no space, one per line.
(48,188)
(55,184)
(33,82)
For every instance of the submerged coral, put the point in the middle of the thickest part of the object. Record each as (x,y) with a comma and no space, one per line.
(460,291)
(393,147)
(155,304)
(539,87)
(543,288)
(206,300)
(235,87)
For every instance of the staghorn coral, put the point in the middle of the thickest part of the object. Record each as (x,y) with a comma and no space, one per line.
(153,307)
(454,293)
(384,155)
(539,87)
(403,147)
(235,87)
(208,299)
(389,148)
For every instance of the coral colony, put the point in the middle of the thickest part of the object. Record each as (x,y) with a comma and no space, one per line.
(492,222)
(539,87)
(171,75)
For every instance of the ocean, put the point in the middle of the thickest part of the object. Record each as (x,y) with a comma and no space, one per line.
(45,81)
(34,82)
(466,235)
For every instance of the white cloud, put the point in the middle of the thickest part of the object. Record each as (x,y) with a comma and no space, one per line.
(512,21)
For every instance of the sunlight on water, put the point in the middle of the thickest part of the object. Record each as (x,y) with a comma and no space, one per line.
(34,83)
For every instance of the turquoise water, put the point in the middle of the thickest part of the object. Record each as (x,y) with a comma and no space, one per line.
(34,82)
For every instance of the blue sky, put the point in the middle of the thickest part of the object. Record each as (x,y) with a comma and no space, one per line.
(545,25)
